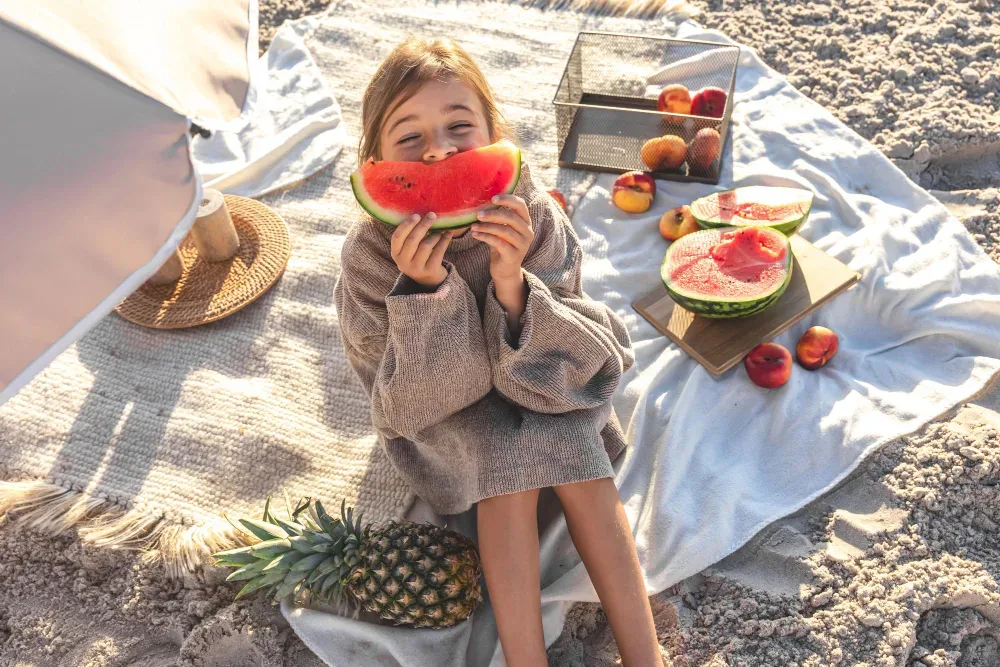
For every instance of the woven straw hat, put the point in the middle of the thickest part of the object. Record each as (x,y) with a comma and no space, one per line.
(209,291)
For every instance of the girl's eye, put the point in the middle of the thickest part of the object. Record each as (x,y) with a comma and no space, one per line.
(459,126)
(408,139)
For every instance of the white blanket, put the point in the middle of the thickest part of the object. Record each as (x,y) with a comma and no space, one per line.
(715,459)
(294,126)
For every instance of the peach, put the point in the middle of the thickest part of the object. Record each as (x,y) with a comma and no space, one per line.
(709,102)
(666,152)
(703,149)
(674,98)
(816,347)
(769,365)
(560,198)
(677,222)
(634,191)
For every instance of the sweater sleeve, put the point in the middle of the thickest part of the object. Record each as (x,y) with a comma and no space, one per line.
(571,351)
(420,354)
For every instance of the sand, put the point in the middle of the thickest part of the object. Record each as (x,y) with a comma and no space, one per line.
(898,566)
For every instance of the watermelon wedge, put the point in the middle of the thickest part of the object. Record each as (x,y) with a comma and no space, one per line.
(783,209)
(728,272)
(455,188)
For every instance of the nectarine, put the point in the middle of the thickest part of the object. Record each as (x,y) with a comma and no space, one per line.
(559,197)
(769,365)
(703,149)
(666,152)
(677,222)
(633,192)
(709,102)
(816,347)
(675,98)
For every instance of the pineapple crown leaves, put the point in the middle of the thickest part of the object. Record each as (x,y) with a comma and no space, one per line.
(311,552)
(414,574)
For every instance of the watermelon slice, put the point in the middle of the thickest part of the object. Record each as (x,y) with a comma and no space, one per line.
(455,189)
(783,209)
(728,272)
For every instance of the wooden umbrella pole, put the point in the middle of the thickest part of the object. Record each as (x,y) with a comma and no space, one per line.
(170,271)
(213,233)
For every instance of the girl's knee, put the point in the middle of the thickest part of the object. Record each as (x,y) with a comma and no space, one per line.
(594,496)
(586,488)
(525,499)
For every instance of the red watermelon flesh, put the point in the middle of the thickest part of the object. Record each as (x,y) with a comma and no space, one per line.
(728,265)
(455,189)
(781,208)
(730,208)
(747,254)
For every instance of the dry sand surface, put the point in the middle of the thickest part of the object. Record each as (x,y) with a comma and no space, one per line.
(898,566)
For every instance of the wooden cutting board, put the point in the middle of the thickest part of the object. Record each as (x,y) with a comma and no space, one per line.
(718,345)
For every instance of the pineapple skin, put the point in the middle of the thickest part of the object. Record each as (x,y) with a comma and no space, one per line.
(416,574)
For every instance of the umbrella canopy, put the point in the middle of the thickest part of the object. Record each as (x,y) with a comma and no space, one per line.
(97,185)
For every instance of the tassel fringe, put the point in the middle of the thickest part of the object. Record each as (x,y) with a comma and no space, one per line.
(643,9)
(183,549)
(53,510)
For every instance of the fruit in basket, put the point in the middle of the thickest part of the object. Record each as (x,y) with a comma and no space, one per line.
(455,189)
(769,365)
(675,98)
(415,574)
(703,149)
(678,222)
(782,209)
(709,102)
(634,191)
(666,152)
(729,272)
(816,347)
(559,197)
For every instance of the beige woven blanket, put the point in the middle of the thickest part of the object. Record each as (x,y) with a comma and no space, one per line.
(144,437)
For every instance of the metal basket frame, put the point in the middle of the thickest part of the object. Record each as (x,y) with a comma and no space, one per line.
(627,106)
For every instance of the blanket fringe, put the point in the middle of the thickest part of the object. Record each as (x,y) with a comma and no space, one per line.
(53,510)
(643,9)
(45,507)
(183,549)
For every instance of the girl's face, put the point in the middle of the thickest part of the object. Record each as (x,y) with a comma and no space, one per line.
(443,118)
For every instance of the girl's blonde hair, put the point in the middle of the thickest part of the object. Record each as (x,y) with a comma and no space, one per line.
(410,65)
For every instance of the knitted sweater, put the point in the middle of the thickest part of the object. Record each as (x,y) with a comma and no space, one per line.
(463,409)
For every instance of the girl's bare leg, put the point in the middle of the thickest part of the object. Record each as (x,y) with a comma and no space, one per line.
(600,531)
(508,547)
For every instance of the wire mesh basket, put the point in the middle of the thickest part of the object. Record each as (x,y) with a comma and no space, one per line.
(606,105)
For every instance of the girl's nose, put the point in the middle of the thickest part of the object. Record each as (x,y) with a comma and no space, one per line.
(439,149)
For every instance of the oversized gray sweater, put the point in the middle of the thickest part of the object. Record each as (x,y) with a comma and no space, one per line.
(463,409)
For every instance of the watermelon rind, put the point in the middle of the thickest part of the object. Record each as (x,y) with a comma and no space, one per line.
(703,208)
(455,221)
(723,307)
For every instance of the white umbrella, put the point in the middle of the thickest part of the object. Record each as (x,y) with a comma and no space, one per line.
(97,185)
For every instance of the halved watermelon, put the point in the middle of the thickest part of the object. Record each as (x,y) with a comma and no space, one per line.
(783,209)
(455,188)
(728,272)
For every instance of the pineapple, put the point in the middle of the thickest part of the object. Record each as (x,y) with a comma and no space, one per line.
(413,574)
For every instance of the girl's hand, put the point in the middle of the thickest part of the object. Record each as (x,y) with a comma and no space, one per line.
(419,254)
(508,233)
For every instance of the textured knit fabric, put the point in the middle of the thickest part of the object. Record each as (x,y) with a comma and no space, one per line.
(464,409)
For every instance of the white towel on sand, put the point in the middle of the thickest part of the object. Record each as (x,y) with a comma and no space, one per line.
(294,125)
(715,459)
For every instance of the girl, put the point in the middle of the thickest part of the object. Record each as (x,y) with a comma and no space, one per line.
(490,373)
